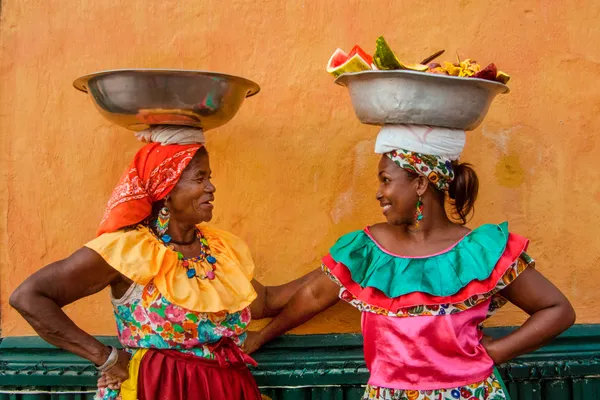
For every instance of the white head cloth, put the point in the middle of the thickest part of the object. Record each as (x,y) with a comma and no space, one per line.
(171,134)
(431,140)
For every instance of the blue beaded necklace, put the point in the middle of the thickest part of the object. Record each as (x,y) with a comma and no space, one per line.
(190,263)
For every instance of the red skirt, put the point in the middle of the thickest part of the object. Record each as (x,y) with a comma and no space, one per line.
(172,375)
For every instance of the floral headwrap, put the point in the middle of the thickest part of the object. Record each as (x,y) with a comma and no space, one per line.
(153,173)
(437,169)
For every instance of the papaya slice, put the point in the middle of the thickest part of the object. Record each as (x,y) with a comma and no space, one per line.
(452,69)
(502,77)
(436,68)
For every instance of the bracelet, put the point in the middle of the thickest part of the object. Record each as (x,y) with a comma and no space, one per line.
(111,361)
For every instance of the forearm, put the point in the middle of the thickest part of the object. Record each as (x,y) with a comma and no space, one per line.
(304,305)
(277,297)
(55,327)
(540,329)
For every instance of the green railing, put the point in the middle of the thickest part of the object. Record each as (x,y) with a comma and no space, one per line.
(312,367)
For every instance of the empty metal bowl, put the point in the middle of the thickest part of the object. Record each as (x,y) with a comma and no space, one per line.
(139,98)
(409,97)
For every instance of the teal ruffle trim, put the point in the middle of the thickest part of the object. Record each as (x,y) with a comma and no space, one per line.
(444,274)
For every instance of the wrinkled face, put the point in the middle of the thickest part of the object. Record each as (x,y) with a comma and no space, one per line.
(397,192)
(191,200)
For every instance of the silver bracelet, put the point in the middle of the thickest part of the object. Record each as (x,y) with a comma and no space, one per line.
(111,361)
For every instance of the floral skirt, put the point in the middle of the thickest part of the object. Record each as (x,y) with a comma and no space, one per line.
(490,389)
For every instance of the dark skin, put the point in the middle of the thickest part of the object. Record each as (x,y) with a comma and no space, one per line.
(41,297)
(549,310)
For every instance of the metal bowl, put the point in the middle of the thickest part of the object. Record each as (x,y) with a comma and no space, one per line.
(139,98)
(409,97)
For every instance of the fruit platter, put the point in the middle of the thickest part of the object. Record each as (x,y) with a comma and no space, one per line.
(385,90)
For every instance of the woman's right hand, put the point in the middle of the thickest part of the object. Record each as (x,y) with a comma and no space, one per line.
(119,373)
(252,343)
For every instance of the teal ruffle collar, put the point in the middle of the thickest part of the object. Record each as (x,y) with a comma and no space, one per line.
(472,258)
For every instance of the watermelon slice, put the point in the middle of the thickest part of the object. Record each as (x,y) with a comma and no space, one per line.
(341,63)
(357,50)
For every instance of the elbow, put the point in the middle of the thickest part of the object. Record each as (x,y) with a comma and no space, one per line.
(270,308)
(564,316)
(569,315)
(21,298)
(16,299)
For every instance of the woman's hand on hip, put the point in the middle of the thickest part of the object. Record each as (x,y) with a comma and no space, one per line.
(41,297)
(488,344)
(550,313)
(253,342)
(119,373)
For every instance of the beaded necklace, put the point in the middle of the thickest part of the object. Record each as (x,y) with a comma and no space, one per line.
(190,263)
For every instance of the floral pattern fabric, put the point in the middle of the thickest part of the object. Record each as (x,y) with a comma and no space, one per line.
(149,320)
(437,169)
(490,389)
(146,319)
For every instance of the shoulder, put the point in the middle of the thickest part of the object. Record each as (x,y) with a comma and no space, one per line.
(351,240)
(120,240)
(378,229)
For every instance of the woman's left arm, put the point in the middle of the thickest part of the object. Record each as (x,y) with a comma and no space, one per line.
(272,299)
(550,315)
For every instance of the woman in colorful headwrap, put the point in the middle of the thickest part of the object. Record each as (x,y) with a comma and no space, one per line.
(425,283)
(182,293)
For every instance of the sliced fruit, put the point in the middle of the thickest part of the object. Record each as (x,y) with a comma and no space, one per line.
(341,63)
(436,68)
(452,69)
(489,73)
(337,58)
(502,77)
(385,58)
(469,67)
(363,54)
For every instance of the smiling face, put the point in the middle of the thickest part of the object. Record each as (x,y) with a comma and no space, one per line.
(398,192)
(190,202)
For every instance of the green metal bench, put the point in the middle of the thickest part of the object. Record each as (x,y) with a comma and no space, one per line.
(311,367)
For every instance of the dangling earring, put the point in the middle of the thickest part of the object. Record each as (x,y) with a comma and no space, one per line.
(162,221)
(419,212)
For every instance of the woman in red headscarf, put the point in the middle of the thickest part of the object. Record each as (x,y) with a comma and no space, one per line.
(183,293)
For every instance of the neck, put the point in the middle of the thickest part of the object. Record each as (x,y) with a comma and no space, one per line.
(434,220)
(181,232)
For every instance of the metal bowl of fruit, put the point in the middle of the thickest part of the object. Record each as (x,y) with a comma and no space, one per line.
(139,98)
(385,90)
(420,98)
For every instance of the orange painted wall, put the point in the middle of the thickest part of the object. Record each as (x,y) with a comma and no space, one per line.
(295,169)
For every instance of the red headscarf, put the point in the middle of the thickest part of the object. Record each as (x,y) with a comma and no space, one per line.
(153,173)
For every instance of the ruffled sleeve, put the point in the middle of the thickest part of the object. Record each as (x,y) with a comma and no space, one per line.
(516,269)
(444,274)
(141,257)
(468,272)
(132,254)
